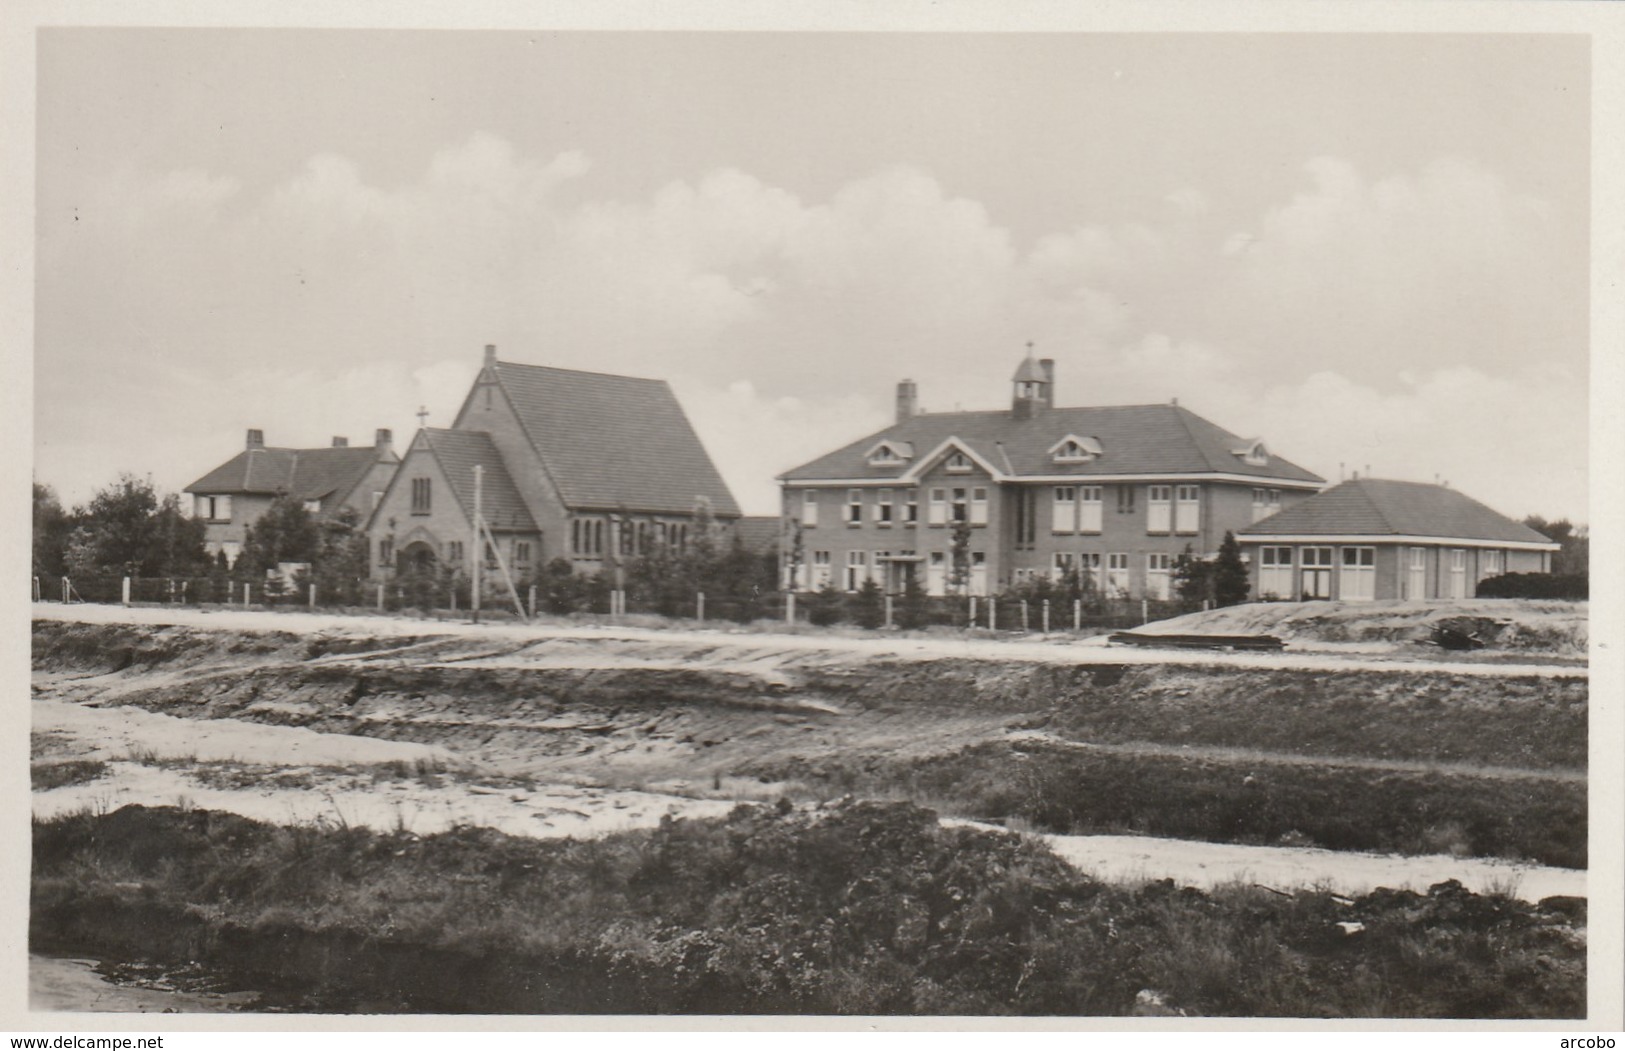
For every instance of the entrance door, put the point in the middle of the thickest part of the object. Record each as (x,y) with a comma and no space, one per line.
(1416,572)
(1317,572)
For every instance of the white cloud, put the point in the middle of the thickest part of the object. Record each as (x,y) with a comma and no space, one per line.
(784,323)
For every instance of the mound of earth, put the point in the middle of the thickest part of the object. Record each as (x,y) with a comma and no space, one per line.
(1524,626)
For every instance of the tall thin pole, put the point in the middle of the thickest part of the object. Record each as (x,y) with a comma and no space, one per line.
(474,551)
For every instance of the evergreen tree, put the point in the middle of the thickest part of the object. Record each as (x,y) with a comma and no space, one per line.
(959,570)
(1230,584)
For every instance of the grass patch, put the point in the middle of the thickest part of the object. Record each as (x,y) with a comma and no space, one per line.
(46,776)
(1342,808)
(862,908)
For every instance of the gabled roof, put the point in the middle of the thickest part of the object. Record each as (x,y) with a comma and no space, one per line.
(1134,440)
(1379,507)
(1029,371)
(758,533)
(614,442)
(304,474)
(457,453)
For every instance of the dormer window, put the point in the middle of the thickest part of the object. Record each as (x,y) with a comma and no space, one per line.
(958,463)
(890,453)
(1253,453)
(1073,449)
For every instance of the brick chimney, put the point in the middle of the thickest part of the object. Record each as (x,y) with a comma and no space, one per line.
(383,440)
(340,442)
(490,353)
(908,400)
(256,439)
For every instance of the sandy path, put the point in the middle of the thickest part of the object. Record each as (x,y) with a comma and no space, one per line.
(1344,872)
(60,983)
(1051,651)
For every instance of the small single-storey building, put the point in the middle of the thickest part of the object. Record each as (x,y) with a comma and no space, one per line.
(1375,538)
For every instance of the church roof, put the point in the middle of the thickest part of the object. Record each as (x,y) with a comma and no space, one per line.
(1380,507)
(304,474)
(614,442)
(1029,371)
(1133,440)
(457,453)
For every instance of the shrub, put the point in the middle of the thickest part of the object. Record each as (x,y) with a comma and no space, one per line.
(825,606)
(869,605)
(1535,585)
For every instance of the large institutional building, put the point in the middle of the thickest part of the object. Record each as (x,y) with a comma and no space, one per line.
(1115,492)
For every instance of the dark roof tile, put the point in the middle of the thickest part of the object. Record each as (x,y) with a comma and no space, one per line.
(458,453)
(304,474)
(1381,507)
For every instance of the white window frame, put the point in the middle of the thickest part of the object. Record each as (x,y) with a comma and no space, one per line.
(1159,509)
(821,569)
(1458,572)
(857,569)
(1090,509)
(978,505)
(911,509)
(854,507)
(1315,560)
(809,509)
(1117,585)
(1357,574)
(936,573)
(959,505)
(883,509)
(978,573)
(937,509)
(1275,566)
(1064,563)
(1492,562)
(1064,509)
(958,463)
(1159,575)
(1187,509)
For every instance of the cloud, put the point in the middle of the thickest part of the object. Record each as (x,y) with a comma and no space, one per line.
(785,322)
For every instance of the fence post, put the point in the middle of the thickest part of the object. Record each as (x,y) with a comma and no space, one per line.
(533,600)
(699,606)
(1046,616)
(1023,614)
(185,586)
(313,594)
(380,598)
(247,591)
(789,607)
(888,611)
(171,591)
(992,614)
(1145,611)
(36,589)
(973,611)
(124,591)
(1204,605)
(1077,614)
(67,590)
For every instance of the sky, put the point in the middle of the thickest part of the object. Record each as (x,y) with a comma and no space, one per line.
(1372,251)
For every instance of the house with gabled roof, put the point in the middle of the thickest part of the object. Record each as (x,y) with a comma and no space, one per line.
(586,466)
(1376,538)
(326,480)
(1115,493)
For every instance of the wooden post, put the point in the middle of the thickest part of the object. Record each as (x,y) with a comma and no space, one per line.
(36,589)
(67,590)
(992,614)
(1077,614)
(454,597)
(699,606)
(1023,614)
(380,598)
(246,587)
(789,607)
(1046,616)
(313,595)
(888,611)
(185,584)
(533,600)
(475,549)
(171,591)
(973,611)
(125,591)
(1145,611)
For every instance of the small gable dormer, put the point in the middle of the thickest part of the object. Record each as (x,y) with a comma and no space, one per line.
(1075,449)
(889,452)
(1253,453)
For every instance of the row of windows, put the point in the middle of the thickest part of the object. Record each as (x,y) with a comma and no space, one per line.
(593,537)
(1109,572)
(1074,508)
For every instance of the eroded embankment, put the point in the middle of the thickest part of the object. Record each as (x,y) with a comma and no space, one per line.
(852,908)
(1410,759)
